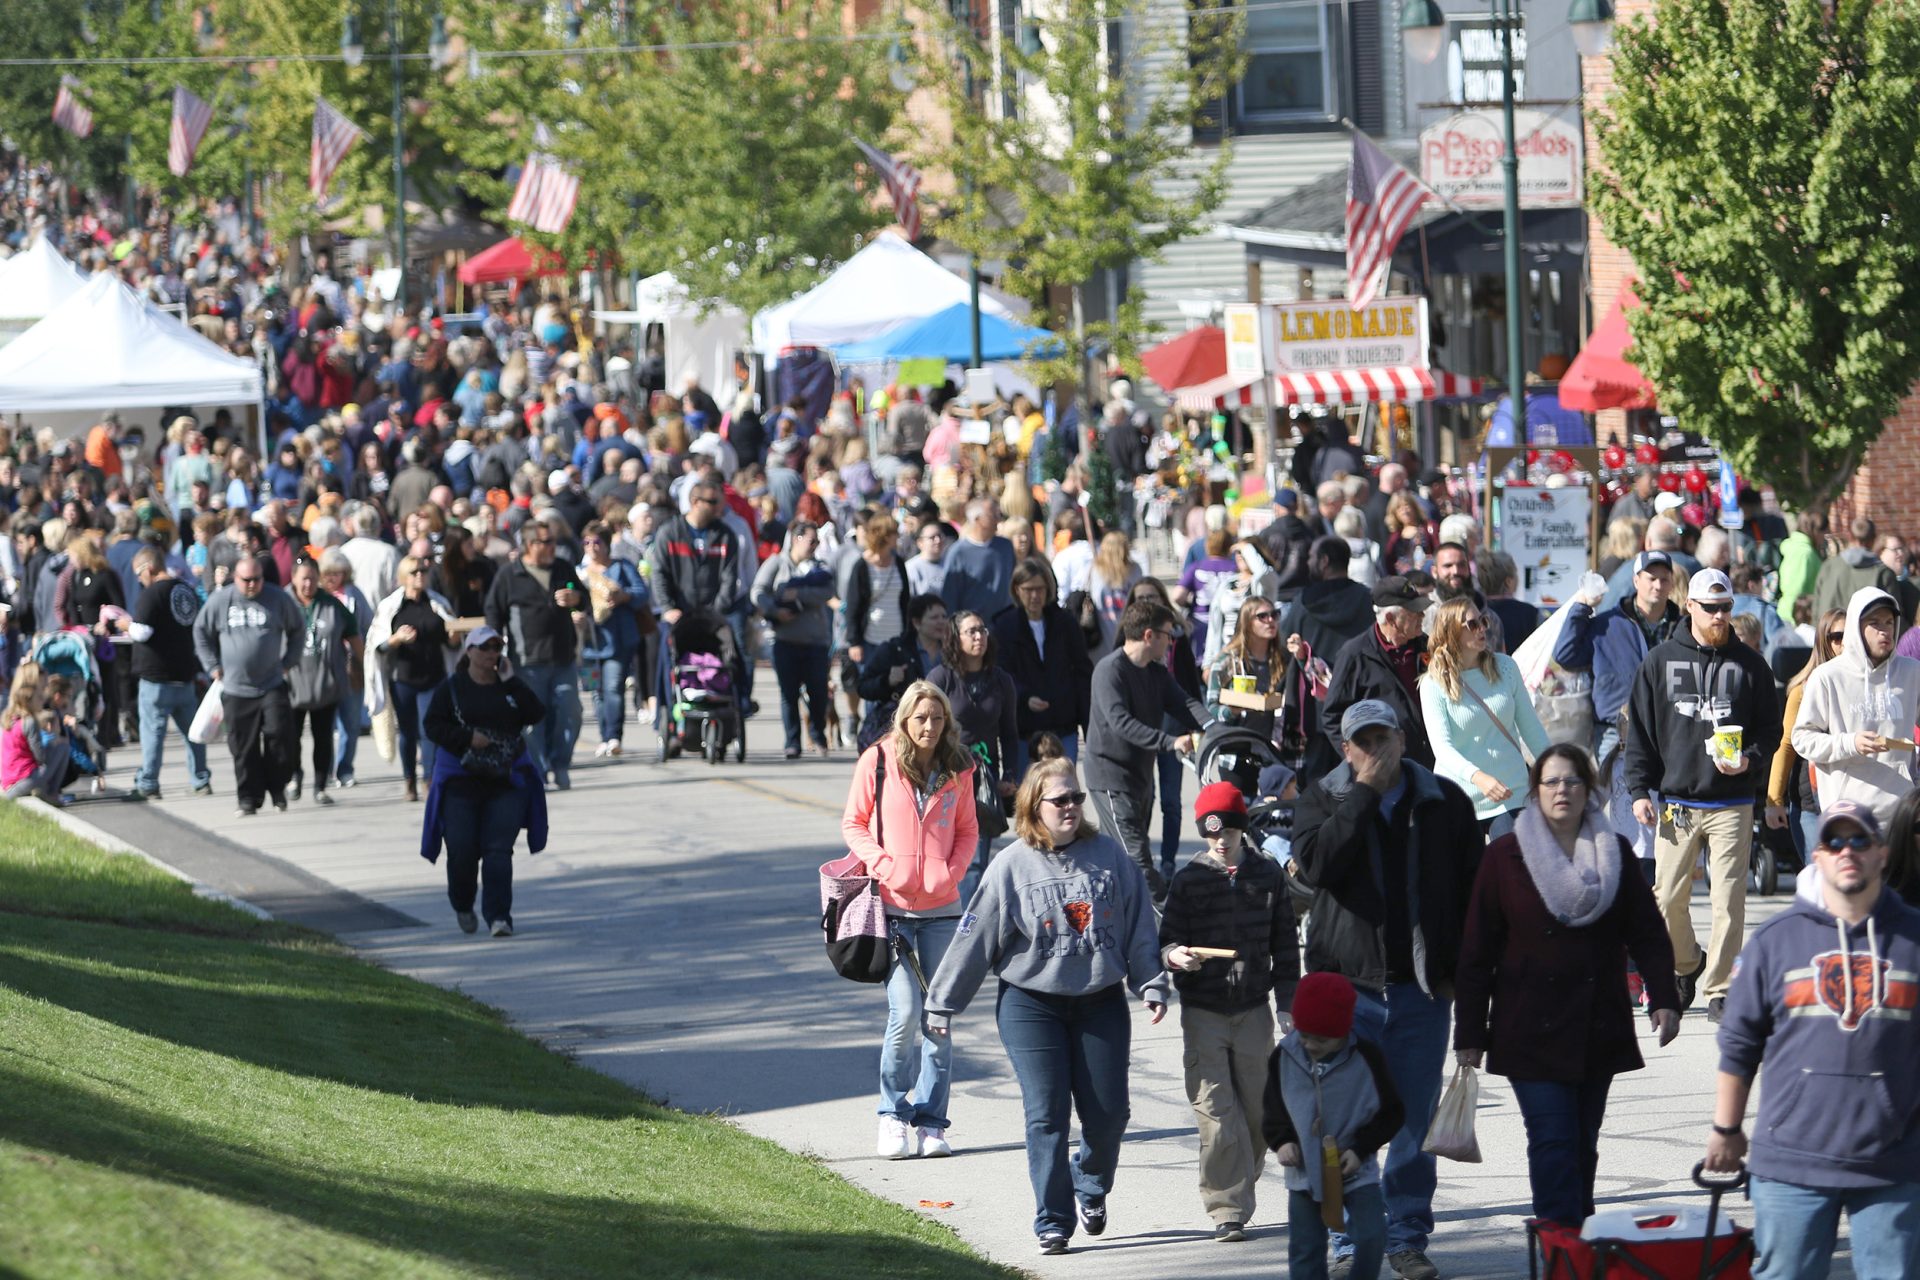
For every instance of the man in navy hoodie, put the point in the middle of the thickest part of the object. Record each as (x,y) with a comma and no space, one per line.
(1825,994)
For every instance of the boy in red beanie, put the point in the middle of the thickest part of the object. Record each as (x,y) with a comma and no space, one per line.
(1322,1082)
(1231,898)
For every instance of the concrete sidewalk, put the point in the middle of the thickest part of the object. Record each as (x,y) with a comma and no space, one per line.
(669,937)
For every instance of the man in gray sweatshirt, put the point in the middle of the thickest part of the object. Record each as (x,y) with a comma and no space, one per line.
(247,636)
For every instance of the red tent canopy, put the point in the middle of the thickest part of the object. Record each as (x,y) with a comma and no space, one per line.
(1196,356)
(510,260)
(1601,376)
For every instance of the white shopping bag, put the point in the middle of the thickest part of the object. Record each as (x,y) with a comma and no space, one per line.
(1451,1133)
(210,721)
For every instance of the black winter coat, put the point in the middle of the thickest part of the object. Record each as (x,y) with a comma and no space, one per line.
(1334,855)
(1547,1001)
(1063,678)
(1361,671)
(1248,912)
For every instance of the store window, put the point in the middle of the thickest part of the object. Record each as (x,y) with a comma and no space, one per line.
(1287,74)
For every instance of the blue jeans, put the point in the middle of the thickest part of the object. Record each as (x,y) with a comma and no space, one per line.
(611,700)
(1172,775)
(1794,1230)
(348,719)
(798,668)
(1307,1235)
(481,825)
(1069,1054)
(551,742)
(158,704)
(410,718)
(1411,1029)
(737,621)
(1563,1144)
(916,1069)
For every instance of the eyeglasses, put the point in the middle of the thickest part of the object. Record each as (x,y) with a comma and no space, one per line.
(704,502)
(1836,637)
(419,568)
(1475,624)
(1858,844)
(1268,616)
(1066,799)
(1561,784)
(972,633)
(1714,609)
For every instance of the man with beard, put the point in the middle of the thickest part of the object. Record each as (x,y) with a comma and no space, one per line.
(1453,580)
(1690,687)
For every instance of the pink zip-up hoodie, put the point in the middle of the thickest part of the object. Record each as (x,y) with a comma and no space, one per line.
(919,868)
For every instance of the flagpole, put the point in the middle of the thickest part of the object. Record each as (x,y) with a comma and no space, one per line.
(399,162)
(1506,12)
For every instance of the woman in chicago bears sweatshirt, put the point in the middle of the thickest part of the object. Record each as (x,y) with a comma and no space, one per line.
(1063,917)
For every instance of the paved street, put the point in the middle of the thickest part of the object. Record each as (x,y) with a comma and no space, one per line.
(668,938)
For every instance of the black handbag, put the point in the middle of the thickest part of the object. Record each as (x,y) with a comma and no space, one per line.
(986,800)
(858,934)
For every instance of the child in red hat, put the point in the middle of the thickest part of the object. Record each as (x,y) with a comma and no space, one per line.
(1324,1083)
(1231,898)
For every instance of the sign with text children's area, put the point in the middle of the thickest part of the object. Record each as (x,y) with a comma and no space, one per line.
(1327,335)
(1545,531)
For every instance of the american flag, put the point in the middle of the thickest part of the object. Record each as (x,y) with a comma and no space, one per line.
(191,117)
(545,196)
(903,184)
(67,111)
(333,136)
(1382,198)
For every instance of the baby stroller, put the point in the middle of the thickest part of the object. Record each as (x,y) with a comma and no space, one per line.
(700,711)
(1249,760)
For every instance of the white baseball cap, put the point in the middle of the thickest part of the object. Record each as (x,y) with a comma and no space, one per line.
(1709,586)
(1665,502)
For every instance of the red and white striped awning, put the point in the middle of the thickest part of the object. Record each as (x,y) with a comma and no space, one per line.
(1359,386)
(1218,393)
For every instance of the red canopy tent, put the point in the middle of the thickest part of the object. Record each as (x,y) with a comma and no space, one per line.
(1601,376)
(1196,356)
(511,259)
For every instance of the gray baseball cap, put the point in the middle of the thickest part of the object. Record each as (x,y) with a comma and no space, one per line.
(1366,714)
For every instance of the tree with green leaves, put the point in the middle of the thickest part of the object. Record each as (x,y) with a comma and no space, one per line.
(1757,160)
(1094,167)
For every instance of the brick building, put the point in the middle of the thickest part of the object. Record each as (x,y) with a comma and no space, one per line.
(1885,486)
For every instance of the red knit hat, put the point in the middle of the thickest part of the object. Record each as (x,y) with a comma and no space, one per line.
(1219,806)
(1323,1006)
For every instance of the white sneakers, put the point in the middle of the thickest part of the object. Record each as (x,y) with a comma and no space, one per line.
(901,1141)
(897,1141)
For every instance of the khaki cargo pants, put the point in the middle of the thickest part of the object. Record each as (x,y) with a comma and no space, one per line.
(1226,1061)
(1728,836)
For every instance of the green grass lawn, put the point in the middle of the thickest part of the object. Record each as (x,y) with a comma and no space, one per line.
(186,1091)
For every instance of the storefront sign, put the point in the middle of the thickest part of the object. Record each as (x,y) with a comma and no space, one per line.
(1313,337)
(1474,60)
(1545,531)
(1241,320)
(1460,159)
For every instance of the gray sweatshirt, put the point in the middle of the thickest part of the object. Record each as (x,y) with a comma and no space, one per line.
(812,585)
(250,642)
(1068,922)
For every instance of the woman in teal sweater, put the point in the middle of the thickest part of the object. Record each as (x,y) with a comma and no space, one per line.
(1479,716)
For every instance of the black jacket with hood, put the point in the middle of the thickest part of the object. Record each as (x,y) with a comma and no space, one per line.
(1337,828)
(1327,614)
(1360,671)
(1248,912)
(694,574)
(1682,691)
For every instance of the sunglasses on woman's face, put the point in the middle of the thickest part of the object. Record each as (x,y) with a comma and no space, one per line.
(1067,800)
(1263,617)
(1476,624)
(1836,637)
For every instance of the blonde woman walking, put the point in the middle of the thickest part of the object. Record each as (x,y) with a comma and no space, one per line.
(1479,716)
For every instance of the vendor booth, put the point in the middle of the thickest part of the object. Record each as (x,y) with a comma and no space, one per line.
(694,340)
(33,282)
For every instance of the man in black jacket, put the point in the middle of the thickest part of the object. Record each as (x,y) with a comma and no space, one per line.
(534,603)
(696,559)
(1384,663)
(1233,898)
(1329,612)
(1690,686)
(1390,850)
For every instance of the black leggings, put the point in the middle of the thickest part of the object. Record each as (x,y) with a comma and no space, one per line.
(320,720)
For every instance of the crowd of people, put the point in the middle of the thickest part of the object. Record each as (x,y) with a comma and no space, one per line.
(447,535)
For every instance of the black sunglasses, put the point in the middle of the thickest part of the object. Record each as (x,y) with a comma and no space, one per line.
(1858,843)
(1715,609)
(1066,799)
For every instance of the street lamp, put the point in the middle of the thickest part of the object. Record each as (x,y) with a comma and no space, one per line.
(1423,23)
(353,52)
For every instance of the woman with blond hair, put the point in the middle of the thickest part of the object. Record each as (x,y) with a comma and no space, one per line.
(1479,716)
(1063,918)
(1112,576)
(910,820)
(1790,787)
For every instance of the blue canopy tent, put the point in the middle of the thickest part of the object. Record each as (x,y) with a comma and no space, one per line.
(948,335)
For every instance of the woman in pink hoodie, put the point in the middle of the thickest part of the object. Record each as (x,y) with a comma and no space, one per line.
(910,819)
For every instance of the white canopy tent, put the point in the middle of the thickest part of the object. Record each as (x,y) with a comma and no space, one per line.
(886,283)
(107,348)
(33,282)
(697,343)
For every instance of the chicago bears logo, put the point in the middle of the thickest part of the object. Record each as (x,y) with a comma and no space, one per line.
(1834,974)
(1079,914)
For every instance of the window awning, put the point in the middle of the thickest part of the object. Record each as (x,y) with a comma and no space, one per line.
(1601,376)
(1218,393)
(1384,383)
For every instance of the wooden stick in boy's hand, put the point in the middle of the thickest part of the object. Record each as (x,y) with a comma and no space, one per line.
(1213,953)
